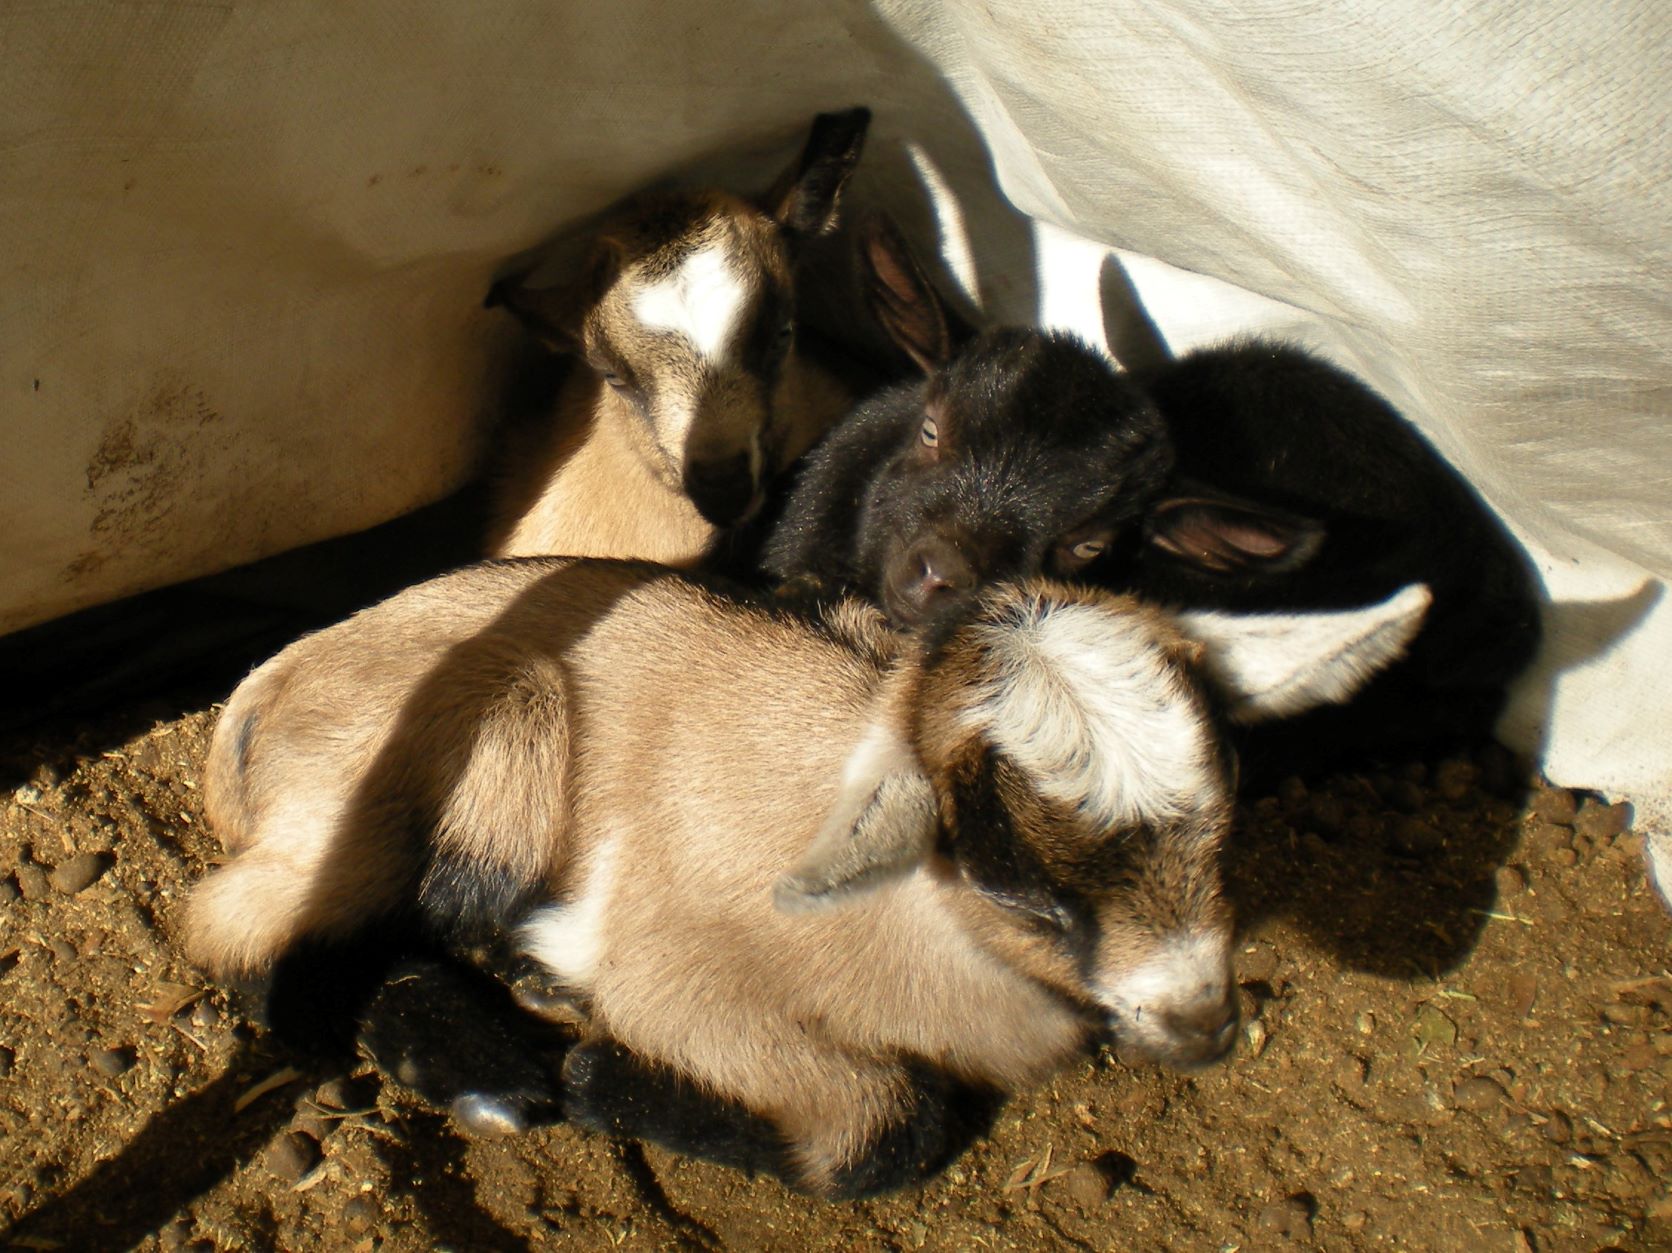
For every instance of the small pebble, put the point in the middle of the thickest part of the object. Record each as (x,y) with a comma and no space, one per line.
(1412,837)
(1365,1022)
(1290,1218)
(1554,805)
(1292,792)
(1406,796)
(1356,1221)
(1087,1186)
(1558,1129)
(61,949)
(1257,962)
(113,1062)
(1478,1095)
(361,1212)
(1455,779)
(205,1015)
(292,1156)
(1564,857)
(1602,823)
(1256,1035)
(1510,881)
(32,882)
(1364,828)
(79,872)
(1327,815)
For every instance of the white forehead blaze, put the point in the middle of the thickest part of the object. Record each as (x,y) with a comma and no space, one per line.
(703,301)
(1085,701)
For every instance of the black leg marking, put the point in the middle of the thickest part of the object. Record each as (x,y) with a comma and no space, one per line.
(453,1035)
(947,1115)
(608,1089)
(468,901)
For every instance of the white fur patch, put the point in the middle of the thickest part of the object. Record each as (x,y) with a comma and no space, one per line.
(1088,705)
(1275,665)
(568,939)
(1186,973)
(703,301)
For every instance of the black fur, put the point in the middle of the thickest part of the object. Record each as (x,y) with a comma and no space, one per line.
(1038,438)
(1250,477)
(447,1030)
(946,1116)
(468,900)
(609,1089)
(1268,425)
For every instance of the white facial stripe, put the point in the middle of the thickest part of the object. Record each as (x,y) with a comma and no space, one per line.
(568,939)
(703,301)
(1088,706)
(1186,972)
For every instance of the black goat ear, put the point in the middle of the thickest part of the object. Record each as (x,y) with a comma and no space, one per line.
(1223,535)
(807,195)
(903,300)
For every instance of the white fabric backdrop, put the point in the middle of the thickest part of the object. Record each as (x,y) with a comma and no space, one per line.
(243,246)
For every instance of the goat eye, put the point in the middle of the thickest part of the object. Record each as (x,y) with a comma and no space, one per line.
(614,380)
(930,433)
(1087,549)
(786,332)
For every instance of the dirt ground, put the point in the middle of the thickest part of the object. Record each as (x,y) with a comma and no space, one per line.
(1458,1006)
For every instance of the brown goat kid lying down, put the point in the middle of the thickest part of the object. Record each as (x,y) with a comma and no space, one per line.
(813,879)
(689,390)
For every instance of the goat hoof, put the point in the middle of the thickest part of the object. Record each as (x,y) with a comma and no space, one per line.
(485,1117)
(538,995)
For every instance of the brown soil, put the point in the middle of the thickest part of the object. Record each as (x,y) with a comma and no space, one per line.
(1457,1038)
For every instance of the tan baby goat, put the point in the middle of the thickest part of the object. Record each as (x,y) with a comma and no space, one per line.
(689,389)
(813,879)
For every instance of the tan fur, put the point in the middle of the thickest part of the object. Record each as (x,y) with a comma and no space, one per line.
(610,476)
(536,716)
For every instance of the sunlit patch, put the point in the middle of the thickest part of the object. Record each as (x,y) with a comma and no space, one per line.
(568,939)
(1189,972)
(703,301)
(1091,708)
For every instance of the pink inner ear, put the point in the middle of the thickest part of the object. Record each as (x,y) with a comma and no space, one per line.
(1223,538)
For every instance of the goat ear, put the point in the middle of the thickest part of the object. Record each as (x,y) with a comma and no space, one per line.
(1221,534)
(806,196)
(554,310)
(1276,665)
(903,300)
(882,825)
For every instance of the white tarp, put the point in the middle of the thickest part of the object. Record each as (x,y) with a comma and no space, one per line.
(243,246)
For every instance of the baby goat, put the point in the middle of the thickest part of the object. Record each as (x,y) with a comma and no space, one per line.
(688,389)
(1018,452)
(1252,477)
(813,878)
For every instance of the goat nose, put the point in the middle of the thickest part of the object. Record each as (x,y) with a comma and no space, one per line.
(723,490)
(1205,1034)
(938,569)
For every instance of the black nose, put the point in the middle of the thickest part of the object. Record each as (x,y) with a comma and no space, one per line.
(1203,1035)
(724,490)
(928,573)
